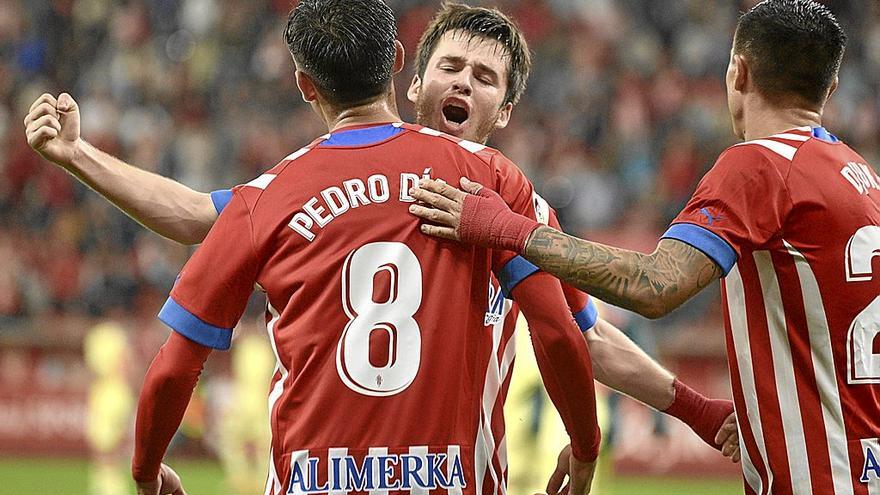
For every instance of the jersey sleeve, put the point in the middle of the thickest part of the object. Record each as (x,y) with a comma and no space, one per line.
(221,198)
(512,269)
(741,203)
(212,290)
(517,191)
(519,194)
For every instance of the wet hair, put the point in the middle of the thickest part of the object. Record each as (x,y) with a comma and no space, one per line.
(345,46)
(478,22)
(794,48)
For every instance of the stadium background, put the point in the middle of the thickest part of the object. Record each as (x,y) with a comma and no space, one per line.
(624,112)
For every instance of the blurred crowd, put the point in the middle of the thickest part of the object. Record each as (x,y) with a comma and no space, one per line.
(623,114)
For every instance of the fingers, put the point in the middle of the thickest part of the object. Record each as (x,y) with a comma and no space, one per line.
(42,130)
(44,98)
(170,482)
(554,484)
(441,232)
(729,448)
(725,436)
(727,429)
(44,121)
(433,215)
(66,103)
(38,138)
(437,200)
(38,111)
(442,188)
(469,185)
(736,456)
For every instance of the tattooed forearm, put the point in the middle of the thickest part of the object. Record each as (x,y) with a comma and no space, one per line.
(649,284)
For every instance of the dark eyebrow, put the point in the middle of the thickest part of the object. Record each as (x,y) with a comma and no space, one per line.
(454,59)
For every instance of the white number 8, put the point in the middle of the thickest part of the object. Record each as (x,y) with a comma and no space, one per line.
(393,316)
(863,364)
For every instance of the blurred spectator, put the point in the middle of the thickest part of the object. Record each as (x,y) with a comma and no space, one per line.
(625,111)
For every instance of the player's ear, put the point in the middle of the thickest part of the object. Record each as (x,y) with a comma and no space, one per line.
(306,87)
(412,94)
(504,116)
(833,87)
(741,73)
(399,57)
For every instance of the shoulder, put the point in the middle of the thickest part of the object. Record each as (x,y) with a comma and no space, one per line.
(778,150)
(764,159)
(252,191)
(468,150)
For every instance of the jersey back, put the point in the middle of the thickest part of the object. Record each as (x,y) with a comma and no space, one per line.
(384,380)
(795,218)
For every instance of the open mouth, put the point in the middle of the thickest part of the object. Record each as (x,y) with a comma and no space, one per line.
(455,113)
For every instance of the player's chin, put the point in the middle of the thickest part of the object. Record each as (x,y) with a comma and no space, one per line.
(463,130)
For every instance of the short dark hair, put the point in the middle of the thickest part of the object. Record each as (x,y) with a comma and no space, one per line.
(345,46)
(794,47)
(478,22)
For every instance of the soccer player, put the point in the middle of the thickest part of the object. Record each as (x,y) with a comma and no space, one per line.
(790,218)
(463,88)
(383,353)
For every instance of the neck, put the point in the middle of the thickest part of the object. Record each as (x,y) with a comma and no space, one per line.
(382,109)
(762,120)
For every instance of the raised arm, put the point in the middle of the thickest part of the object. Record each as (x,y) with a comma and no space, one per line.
(160,204)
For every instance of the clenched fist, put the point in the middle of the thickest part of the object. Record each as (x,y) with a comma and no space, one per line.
(52,128)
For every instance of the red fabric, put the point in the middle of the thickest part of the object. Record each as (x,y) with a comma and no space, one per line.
(164,397)
(487,221)
(705,416)
(798,211)
(563,360)
(319,277)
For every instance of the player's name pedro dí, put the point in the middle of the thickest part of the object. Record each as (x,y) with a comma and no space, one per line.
(334,201)
(402,472)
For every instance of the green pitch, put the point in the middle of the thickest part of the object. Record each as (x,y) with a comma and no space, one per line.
(70,477)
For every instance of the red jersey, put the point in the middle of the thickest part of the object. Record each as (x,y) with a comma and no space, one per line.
(388,378)
(502,315)
(794,222)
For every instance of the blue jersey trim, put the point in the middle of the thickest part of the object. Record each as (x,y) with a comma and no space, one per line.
(220,199)
(713,246)
(587,317)
(362,137)
(192,327)
(824,135)
(515,271)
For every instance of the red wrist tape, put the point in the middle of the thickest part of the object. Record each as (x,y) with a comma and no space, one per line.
(703,415)
(487,221)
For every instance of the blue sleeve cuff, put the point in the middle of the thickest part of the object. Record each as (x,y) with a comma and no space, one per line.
(515,271)
(221,198)
(713,246)
(192,327)
(586,318)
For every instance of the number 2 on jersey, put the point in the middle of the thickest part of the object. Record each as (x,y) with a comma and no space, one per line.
(388,320)
(863,364)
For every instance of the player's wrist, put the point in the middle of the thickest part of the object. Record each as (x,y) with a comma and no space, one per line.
(589,453)
(145,474)
(703,415)
(487,221)
(77,155)
(514,232)
(686,404)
